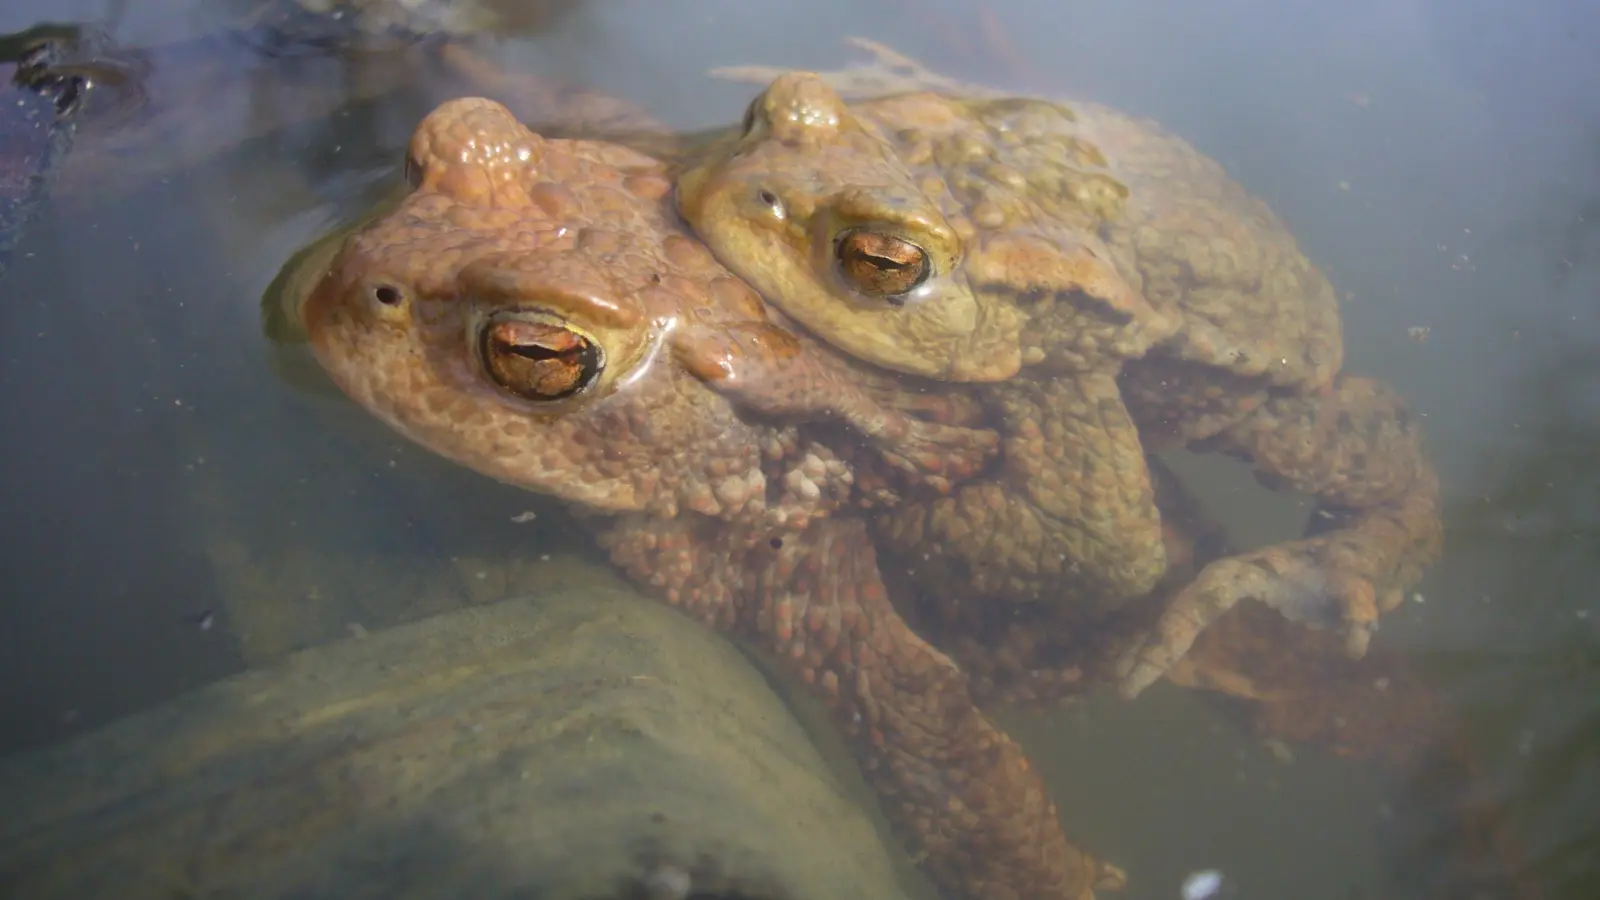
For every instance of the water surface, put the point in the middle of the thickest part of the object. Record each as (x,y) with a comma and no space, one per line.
(1440,160)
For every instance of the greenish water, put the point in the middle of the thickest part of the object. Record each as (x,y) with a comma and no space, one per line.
(1441,161)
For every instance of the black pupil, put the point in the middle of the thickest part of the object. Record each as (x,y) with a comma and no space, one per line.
(537,352)
(769,198)
(388,296)
(887,264)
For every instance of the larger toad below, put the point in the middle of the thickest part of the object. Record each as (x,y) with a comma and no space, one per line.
(531,311)
(1112,292)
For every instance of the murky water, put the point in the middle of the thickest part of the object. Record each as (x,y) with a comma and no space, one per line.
(164,462)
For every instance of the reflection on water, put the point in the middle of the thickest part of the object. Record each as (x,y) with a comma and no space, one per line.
(163,461)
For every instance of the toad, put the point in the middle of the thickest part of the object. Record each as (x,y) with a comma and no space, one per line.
(1106,291)
(533,311)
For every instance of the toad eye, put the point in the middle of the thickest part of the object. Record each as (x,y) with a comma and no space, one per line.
(881,265)
(540,360)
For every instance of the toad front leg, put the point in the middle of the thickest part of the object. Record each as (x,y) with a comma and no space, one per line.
(954,784)
(769,371)
(1072,506)
(1357,449)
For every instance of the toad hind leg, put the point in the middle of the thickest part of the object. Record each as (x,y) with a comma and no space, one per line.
(1073,503)
(1355,448)
(953,783)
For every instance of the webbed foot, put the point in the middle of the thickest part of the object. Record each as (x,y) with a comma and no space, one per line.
(1354,567)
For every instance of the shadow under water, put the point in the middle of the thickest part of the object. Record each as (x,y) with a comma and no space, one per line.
(112,408)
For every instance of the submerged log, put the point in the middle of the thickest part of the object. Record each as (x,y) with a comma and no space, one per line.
(587,743)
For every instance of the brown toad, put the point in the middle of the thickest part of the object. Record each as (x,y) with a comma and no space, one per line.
(1113,292)
(534,312)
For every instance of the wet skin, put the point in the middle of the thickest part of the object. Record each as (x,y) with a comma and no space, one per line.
(1103,291)
(533,311)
